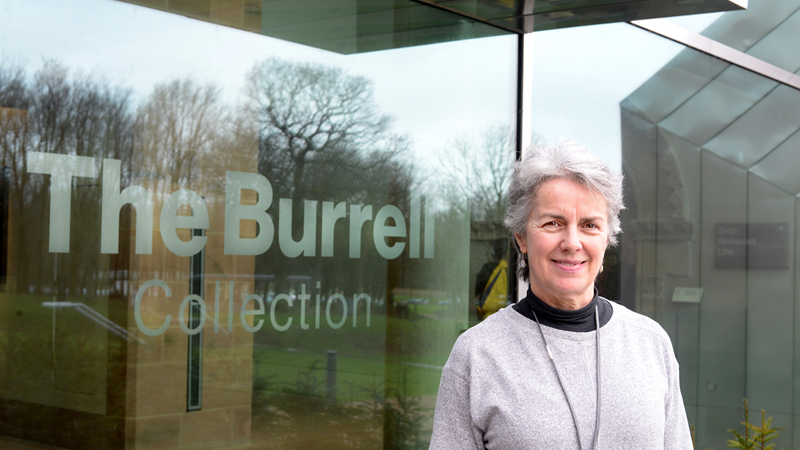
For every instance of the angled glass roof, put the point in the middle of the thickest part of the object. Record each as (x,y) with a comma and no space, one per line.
(356,26)
(745,118)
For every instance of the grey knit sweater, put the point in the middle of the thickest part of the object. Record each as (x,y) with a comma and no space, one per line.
(499,389)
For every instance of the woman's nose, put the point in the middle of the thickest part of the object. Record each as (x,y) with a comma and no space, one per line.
(571,241)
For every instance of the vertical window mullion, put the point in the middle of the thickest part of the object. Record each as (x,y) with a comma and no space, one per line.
(194,385)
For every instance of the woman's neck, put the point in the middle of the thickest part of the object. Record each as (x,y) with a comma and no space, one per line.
(569,303)
(580,320)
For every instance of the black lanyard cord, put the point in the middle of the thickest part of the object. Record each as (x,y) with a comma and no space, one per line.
(563,389)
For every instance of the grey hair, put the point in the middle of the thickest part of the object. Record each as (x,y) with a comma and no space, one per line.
(566,160)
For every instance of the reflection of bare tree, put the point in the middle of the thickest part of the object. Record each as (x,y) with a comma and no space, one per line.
(475,175)
(58,112)
(177,125)
(310,116)
(322,137)
(474,180)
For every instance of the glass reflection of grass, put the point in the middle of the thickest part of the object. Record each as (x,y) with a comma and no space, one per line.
(419,339)
(42,350)
(281,366)
(391,368)
(300,415)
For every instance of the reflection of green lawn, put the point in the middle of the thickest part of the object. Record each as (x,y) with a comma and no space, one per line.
(404,354)
(282,367)
(353,375)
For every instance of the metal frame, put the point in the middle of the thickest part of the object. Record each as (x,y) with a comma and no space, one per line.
(716,49)
(524,116)
(194,359)
(469,16)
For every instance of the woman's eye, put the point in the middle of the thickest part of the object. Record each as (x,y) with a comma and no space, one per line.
(592,226)
(552,223)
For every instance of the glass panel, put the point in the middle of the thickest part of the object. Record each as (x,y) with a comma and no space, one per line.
(568,103)
(722,344)
(722,100)
(217,239)
(770,289)
(673,84)
(742,29)
(761,129)
(779,167)
(554,14)
(770,47)
(695,23)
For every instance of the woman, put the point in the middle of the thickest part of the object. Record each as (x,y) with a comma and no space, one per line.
(527,377)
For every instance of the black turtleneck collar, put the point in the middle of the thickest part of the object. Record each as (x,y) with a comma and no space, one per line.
(580,320)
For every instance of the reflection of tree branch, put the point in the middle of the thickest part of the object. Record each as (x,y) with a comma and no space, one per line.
(311,114)
(176,127)
(474,177)
(321,136)
(57,111)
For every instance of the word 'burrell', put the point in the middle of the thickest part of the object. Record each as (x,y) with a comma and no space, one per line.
(62,168)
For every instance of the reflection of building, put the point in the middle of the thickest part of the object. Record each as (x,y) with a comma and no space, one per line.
(711,152)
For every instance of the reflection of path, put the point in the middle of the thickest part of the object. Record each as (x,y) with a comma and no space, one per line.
(95,317)
(7,443)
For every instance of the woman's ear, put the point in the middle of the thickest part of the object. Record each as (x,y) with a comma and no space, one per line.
(521,243)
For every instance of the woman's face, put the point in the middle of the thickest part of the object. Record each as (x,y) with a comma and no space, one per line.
(565,239)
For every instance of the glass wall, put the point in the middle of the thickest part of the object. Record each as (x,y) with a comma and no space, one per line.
(216,239)
(709,153)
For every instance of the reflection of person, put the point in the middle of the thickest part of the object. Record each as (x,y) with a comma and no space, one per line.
(564,368)
(491,282)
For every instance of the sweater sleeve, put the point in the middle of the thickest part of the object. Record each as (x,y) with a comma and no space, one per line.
(453,427)
(677,434)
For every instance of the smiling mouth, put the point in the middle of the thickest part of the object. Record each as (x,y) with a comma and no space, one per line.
(569,264)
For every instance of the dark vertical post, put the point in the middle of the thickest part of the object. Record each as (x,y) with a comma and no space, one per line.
(331,375)
(520,141)
(194,384)
(4,193)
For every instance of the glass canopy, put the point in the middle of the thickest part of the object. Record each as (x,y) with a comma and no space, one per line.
(357,26)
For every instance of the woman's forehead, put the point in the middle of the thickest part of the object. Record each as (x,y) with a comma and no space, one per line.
(560,194)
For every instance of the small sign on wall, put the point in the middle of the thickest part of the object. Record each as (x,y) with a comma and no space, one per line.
(751,245)
(687,294)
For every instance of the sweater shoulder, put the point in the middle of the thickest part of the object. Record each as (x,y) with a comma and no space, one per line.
(487,337)
(640,324)
(497,325)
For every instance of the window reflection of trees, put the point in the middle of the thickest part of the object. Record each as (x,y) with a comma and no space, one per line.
(318,131)
(322,137)
(180,123)
(318,135)
(55,110)
(475,172)
(474,179)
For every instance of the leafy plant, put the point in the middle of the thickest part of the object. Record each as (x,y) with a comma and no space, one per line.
(404,420)
(760,435)
(765,433)
(754,437)
(743,441)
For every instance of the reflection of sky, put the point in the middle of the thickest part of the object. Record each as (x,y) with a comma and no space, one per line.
(434,92)
(582,74)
